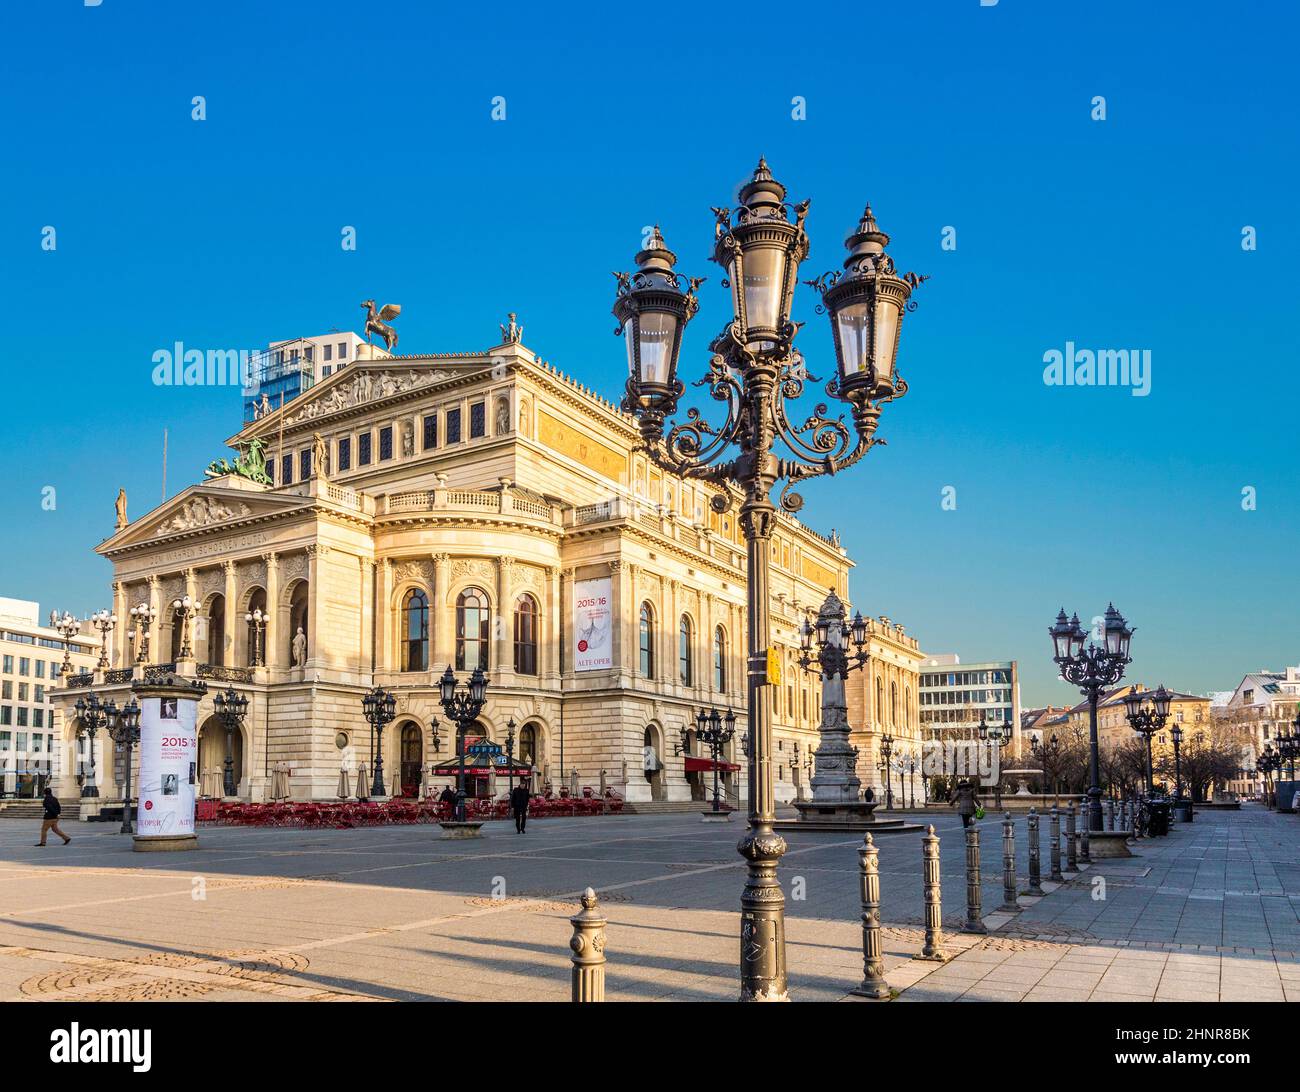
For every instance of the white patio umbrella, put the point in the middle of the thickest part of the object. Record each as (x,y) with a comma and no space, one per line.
(345,790)
(573,782)
(424,780)
(363,782)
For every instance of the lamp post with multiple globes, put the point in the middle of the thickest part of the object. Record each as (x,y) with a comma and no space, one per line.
(754,370)
(1092,668)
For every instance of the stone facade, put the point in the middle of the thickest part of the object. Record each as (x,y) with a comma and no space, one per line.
(449,481)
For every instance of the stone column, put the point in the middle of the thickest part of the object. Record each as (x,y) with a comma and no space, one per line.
(385,660)
(189,626)
(502,653)
(271,634)
(618,600)
(444,637)
(234,617)
(316,563)
(553,626)
(629,625)
(366,582)
(121,634)
(668,635)
(566,612)
(156,654)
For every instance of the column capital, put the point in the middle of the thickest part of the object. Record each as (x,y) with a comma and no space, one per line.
(272,560)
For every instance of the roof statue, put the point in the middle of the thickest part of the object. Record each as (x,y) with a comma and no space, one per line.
(250,464)
(512,334)
(120,505)
(377,322)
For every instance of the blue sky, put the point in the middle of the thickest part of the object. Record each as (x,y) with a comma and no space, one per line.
(1122,233)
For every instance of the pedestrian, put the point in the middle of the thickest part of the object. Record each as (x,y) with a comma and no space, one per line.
(965,802)
(870,795)
(51,820)
(448,797)
(519,805)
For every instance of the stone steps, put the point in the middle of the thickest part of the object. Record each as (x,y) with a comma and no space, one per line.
(34,809)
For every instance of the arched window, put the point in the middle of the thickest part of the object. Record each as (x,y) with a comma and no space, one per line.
(685,661)
(647,641)
(720,660)
(255,643)
(217,630)
(415,631)
(528,745)
(526,635)
(471,630)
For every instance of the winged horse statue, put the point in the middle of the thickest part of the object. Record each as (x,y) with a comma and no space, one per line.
(377,322)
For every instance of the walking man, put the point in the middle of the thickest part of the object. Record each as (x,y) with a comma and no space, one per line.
(51,820)
(519,805)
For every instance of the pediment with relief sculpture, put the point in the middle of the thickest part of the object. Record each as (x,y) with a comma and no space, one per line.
(202,508)
(348,389)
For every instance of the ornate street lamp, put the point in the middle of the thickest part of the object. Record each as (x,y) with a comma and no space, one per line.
(999,738)
(91,717)
(143,616)
(754,370)
(1147,717)
(68,628)
(887,749)
(1047,753)
(230,707)
(510,755)
(104,621)
(1176,734)
(462,708)
(257,620)
(379,708)
(1092,668)
(715,730)
(185,609)
(124,729)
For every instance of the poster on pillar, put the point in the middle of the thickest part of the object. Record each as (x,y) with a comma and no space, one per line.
(169,749)
(593,626)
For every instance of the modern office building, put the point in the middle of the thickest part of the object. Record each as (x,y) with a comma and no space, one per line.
(287,369)
(954,695)
(31,660)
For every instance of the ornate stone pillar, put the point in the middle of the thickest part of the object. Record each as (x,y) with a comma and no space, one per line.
(156,654)
(121,634)
(316,564)
(384,657)
(629,624)
(618,611)
(232,619)
(551,634)
(566,613)
(444,643)
(668,635)
(502,653)
(367,590)
(271,635)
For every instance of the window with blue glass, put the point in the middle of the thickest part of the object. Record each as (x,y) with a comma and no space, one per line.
(431,431)
(345,452)
(363,449)
(385,443)
(286,469)
(453,426)
(477,420)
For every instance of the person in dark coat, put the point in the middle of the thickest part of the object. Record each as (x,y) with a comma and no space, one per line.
(51,820)
(965,801)
(519,805)
(448,797)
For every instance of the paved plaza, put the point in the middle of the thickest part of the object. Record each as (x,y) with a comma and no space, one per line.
(398,914)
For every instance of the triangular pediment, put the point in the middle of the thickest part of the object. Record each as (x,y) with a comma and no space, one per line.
(220,504)
(360,385)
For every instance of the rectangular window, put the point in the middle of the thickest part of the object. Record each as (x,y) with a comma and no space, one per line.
(9,665)
(6,715)
(363,449)
(329,352)
(22,723)
(309,352)
(7,690)
(477,420)
(343,350)
(304,464)
(430,431)
(453,426)
(286,470)
(38,694)
(24,665)
(23,689)
(385,443)
(21,738)
(40,669)
(345,454)
(38,717)
(37,741)
(326,371)
(6,741)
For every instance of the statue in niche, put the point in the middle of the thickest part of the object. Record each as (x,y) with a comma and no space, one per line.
(299,648)
(503,416)
(408,440)
(320,455)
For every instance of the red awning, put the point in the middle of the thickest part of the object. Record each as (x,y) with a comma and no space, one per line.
(705,765)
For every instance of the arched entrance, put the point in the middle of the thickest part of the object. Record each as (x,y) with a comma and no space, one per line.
(652,763)
(212,758)
(216,652)
(529,737)
(411,763)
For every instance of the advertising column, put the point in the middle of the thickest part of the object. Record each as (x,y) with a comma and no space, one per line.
(169,752)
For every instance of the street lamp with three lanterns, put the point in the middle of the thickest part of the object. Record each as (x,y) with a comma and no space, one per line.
(462,707)
(379,707)
(143,616)
(1147,712)
(92,715)
(999,738)
(124,729)
(68,628)
(715,730)
(104,621)
(230,707)
(257,620)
